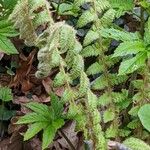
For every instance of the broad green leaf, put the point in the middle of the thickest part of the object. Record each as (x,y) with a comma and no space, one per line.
(132,64)
(5,94)
(32,117)
(34,129)
(144,115)
(129,47)
(6,46)
(48,136)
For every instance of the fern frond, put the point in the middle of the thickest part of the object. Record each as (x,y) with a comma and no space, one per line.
(23,17)
(79,3)
(91,50)
(121,7)
(87,17)
(84,84)
(119,35)
(90,37)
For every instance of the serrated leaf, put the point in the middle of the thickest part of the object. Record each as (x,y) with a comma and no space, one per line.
(90,37)
(48,136)
(60,79)
(119,35)
(136,144)
(34,129)
(132,64)
(94,69)
(86,17)
(30,118)
(129,47)
(134,111)
(90,51)
(144,116)
(56,105)
(40,109)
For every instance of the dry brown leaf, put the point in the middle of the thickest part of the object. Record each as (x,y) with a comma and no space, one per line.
(69,131)
(22,73)
(47,83)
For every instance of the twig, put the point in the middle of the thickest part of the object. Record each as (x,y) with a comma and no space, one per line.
(68,141)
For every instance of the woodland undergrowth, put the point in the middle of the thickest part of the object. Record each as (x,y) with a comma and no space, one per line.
(103,66)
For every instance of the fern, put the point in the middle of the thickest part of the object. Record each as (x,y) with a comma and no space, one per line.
(27,21)
(122,7)
(58,47)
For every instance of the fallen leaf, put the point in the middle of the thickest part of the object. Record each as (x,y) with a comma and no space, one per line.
(22,73)
(47,83)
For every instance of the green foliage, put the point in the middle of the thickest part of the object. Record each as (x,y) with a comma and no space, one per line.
(122,7)
(105,96)
(5,97)
(6,7)
(5,94)
(136,144)
(143,114)
(7,31)
(46,118)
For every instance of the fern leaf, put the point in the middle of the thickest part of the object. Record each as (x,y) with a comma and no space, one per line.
(94,69)
(91,50)
(90,37)
(108,116)
(68,95)
(104,99)
(86,17)
(132,47)
(78,66)
(119,35)
(79,3)
(122,6)
(132,64)
(84,84)
(20,16)
(100,83)
(60,79)
(67,38)
(23,18)
(101,5)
